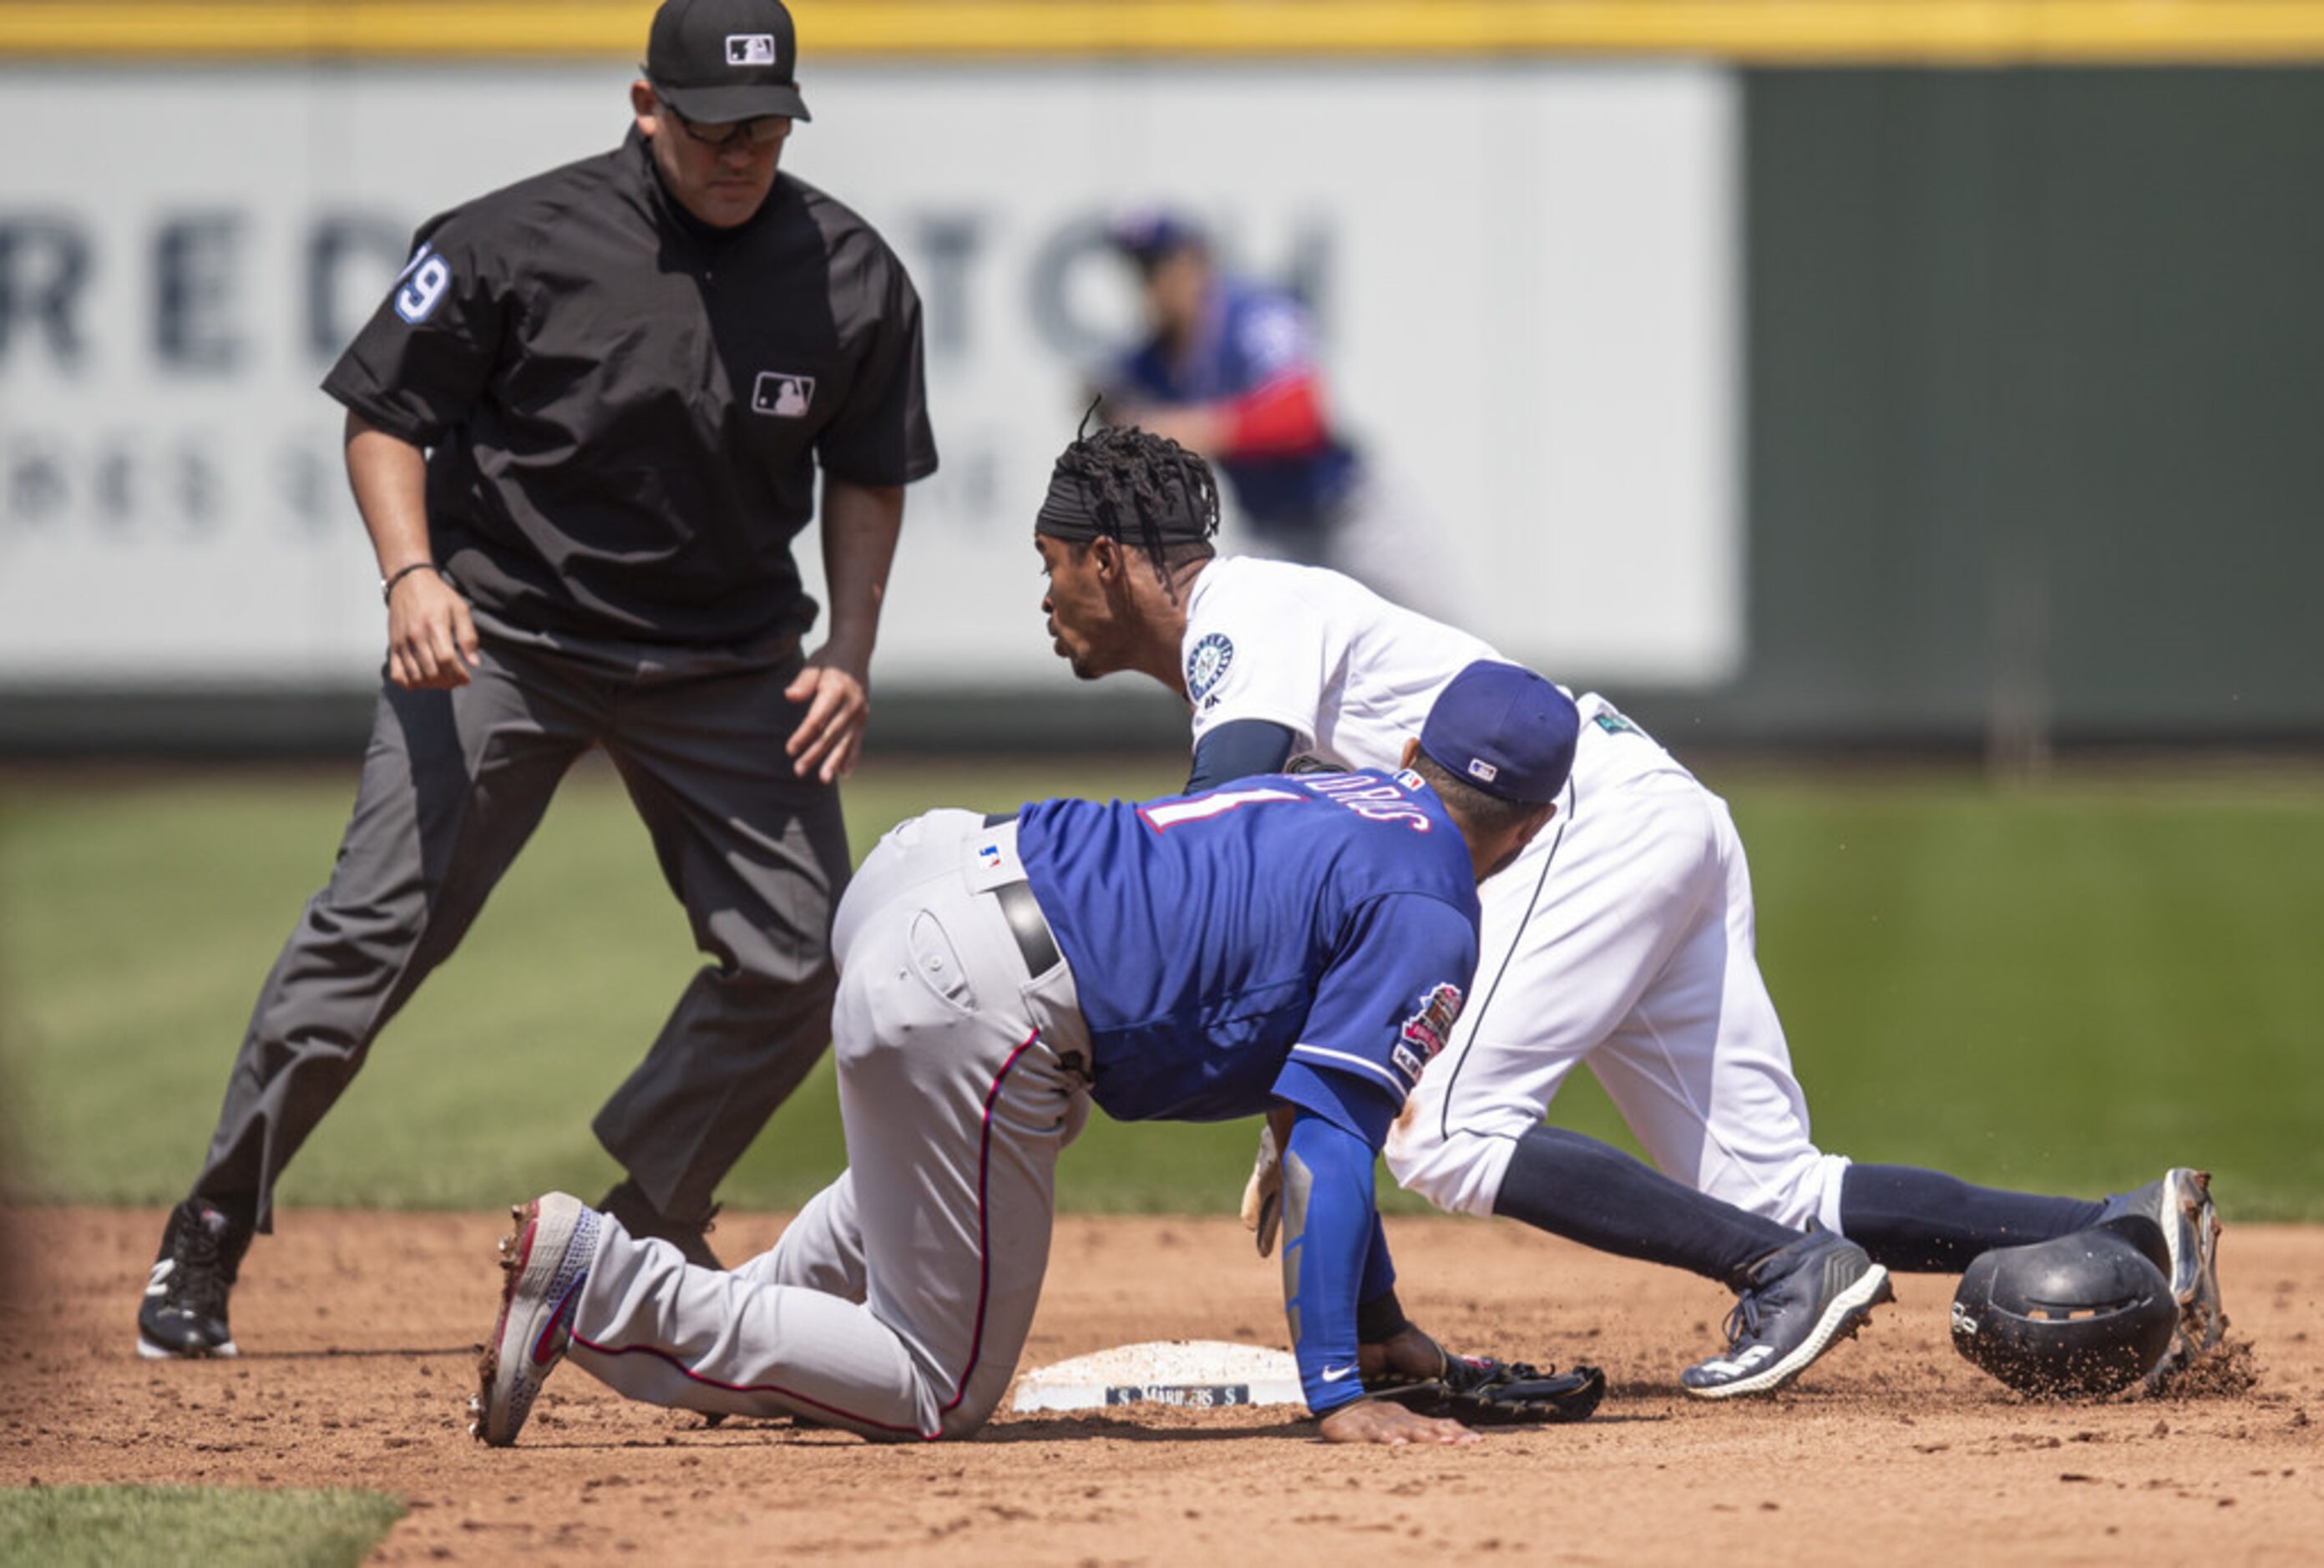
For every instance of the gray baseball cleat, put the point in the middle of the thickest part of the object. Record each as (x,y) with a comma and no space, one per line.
(547,1260)
(1796,1303)
(2181,1204)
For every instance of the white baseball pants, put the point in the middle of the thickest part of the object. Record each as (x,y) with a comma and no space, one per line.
(1623,937)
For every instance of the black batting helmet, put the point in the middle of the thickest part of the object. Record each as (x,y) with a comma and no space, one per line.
(2092,1313)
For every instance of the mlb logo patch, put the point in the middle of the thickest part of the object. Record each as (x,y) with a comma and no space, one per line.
(1482,770)
(750,48)
(783,395)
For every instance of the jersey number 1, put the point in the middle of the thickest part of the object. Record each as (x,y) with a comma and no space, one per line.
(1203,808)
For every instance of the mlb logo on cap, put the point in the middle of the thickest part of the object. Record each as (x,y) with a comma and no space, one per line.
(717,61)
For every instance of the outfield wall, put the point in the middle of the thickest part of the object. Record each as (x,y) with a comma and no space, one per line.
(1903,397)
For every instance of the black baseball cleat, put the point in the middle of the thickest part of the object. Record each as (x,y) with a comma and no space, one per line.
(1796,1303)
(629,1203)
(184,1314)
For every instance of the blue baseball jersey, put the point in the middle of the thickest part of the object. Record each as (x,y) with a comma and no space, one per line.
(1250,337)
(1306,938)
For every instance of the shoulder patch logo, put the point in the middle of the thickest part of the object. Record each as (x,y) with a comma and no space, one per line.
(1424,1034)
(781,394)
(1207,663)
(750,48)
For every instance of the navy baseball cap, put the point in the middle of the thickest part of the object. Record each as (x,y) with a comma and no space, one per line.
(720,60)
(1149,233)
(1504,730)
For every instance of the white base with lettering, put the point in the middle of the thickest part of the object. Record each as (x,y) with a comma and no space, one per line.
(1192,1374)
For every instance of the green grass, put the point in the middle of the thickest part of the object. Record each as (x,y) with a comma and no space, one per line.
(2059,988)
(105,1526)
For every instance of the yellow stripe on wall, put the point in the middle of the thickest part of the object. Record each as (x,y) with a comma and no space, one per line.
(1828,31)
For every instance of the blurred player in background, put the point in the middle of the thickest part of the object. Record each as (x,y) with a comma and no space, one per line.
(582,431)
(1623,939)
(1229,370)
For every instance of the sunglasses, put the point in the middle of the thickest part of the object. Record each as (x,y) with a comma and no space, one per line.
(763,132)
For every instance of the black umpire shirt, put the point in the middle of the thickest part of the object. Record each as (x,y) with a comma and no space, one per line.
(625,405)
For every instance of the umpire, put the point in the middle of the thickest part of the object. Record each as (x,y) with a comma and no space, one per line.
(582,430)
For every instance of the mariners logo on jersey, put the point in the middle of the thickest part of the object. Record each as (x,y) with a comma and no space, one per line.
(1423,1035)
(1207,663)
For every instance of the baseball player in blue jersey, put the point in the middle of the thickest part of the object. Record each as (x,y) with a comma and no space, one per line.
(1295,943)
(1229,369)
(1623,940)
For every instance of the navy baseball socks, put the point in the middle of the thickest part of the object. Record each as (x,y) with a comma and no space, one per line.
(1592,1193)
(1796,1295)
(1923,1221)
(184,1312)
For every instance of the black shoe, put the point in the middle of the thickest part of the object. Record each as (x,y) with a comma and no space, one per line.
(629,1203)
(1796,1303)
(184,1310)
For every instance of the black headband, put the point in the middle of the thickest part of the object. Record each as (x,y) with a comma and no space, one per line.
(1065,511)
(1076,509)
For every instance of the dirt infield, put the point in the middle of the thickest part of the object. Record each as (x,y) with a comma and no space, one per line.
(359,1331)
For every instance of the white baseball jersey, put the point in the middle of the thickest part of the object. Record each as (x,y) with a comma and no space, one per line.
(1622,937)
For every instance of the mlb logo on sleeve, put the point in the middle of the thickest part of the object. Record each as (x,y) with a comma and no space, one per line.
(750,48)
(783,394)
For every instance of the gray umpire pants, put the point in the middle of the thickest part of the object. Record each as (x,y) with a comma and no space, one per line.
(898,1302)
(453,784)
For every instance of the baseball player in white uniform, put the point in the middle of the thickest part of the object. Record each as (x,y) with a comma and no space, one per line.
(1622,939)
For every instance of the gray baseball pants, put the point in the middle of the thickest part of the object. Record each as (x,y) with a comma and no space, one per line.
(453,784)
(896,1303)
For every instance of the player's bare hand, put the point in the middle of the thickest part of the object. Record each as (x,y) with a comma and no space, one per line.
(837,692)
(431,639)
(1379,1421)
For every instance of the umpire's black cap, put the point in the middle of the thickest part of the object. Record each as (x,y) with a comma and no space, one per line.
(719,61)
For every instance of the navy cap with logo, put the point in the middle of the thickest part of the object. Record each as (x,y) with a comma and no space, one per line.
(720,60)
(1504,729)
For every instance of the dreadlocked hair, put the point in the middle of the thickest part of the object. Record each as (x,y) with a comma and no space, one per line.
(1132,477)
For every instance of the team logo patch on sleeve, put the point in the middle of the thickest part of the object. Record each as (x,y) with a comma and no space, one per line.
(1207,663)
(1423,1035)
